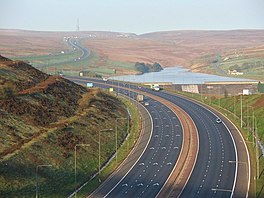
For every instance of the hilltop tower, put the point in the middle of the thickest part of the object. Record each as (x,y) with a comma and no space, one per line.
(77,26)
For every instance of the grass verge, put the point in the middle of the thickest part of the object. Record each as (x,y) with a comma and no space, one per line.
(123,150)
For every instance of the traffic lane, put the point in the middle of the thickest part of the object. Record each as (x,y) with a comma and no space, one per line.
(221,147)
(147,165)
(212,165)
(177,124)
(135,178)
(218,169)
(243,176)
(223,172)
(153,169)
(243,161)
(133,157)
(195,149)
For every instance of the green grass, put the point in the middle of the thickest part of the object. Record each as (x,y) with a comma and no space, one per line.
(93,63)
(255,71)
(122,151)
(18,172)
(53,63)
(49,60)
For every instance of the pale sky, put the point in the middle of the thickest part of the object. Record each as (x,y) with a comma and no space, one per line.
(134,16)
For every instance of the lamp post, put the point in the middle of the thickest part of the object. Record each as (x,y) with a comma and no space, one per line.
(116,132)
(75,165)
(241,111)
(256,146)
(99,149)
(38,166)
(234,110)
(219,104)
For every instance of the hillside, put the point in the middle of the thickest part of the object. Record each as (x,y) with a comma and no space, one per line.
(195,50)
(42,119)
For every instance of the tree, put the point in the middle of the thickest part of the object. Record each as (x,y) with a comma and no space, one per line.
(261,87)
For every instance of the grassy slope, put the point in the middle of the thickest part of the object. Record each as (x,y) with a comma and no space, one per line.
(254,57)
(27,142)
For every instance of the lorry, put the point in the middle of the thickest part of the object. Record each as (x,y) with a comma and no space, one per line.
(155,87)
(140,98)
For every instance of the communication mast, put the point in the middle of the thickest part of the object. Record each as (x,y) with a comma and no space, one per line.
(77,26)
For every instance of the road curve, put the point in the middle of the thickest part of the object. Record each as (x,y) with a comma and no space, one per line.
(223,158)
(151,172)
(74,43)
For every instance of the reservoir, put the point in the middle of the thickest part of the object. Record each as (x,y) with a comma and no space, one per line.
(177,75)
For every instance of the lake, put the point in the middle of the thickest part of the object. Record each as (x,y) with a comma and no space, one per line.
(176,75)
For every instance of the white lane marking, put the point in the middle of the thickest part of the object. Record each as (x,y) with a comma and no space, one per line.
(151,132)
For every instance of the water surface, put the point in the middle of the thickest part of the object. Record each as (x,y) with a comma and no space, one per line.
(176,75)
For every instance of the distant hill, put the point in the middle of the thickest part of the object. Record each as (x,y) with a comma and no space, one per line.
(42,119)
(192,49)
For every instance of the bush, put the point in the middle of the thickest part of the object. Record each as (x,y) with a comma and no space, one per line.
(261,87)
(7,91)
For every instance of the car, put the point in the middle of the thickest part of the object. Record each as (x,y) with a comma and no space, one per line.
(146,103)
(218,120)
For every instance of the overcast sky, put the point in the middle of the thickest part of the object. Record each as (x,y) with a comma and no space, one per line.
(135,16)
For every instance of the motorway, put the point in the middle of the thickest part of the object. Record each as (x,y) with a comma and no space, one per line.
(151,171)
(213,175)
(74,43)
(216,170)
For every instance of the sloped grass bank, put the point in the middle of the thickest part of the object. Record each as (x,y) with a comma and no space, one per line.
(47,165)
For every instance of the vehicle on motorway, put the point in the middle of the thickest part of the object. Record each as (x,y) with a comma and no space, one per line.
(155,87)
(218,120)
(140,98)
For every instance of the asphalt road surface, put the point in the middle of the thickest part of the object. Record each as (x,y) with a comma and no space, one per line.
(150,173)
(213,175)
(215,172)
(74,43)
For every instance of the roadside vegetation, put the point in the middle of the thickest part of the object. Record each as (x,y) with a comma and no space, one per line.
(123,151)
(43,121)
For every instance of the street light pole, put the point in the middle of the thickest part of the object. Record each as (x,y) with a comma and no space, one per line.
(219,104)
(241,111)
(99,151)
(75,165)
(234,107)
(116,133)
(38,166)
(256,141)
